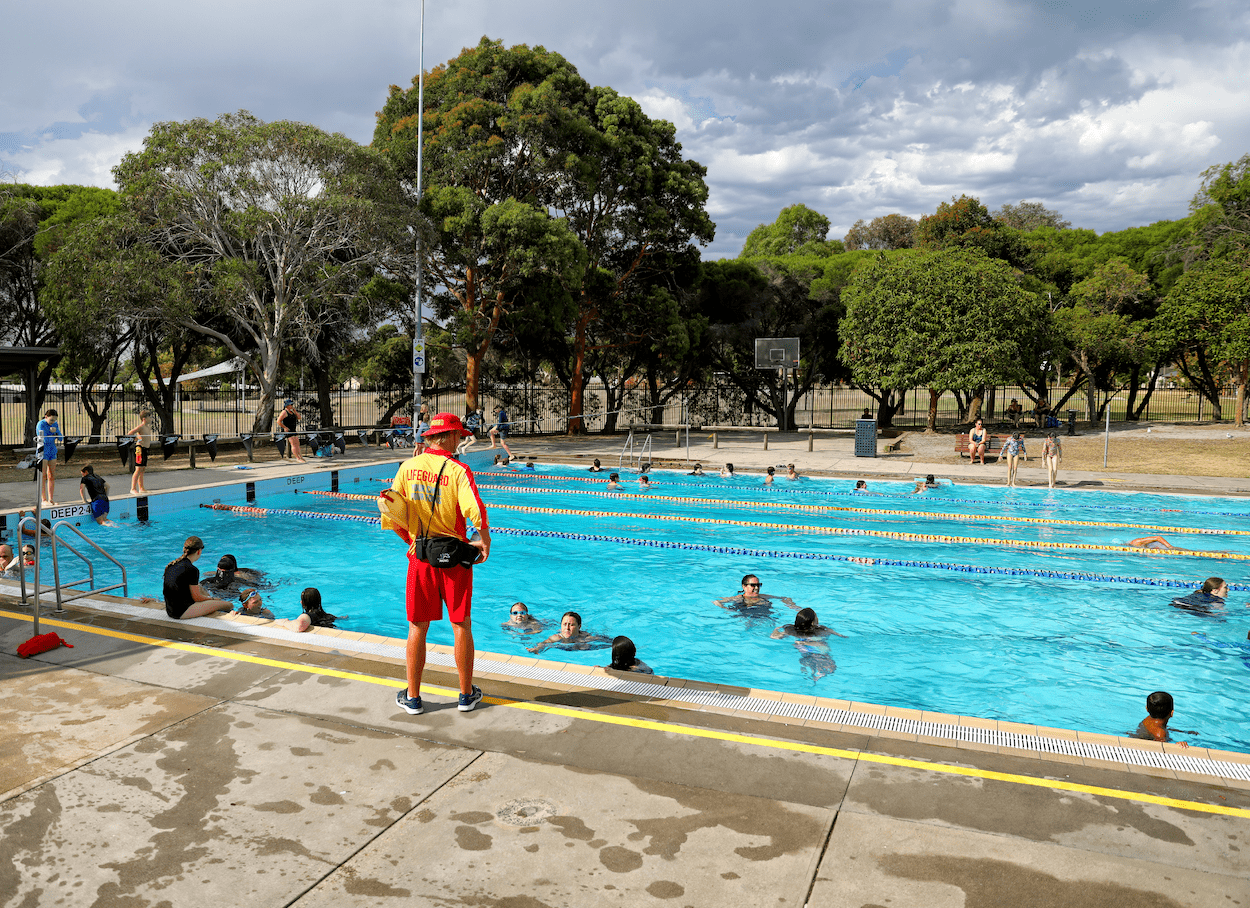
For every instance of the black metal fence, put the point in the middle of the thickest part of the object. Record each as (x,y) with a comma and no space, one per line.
(543,410)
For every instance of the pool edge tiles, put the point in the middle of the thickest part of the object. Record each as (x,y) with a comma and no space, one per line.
(971,734)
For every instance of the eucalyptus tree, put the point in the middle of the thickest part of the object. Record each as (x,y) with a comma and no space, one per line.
(275,222)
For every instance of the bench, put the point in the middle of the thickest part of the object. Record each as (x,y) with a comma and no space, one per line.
(993,446)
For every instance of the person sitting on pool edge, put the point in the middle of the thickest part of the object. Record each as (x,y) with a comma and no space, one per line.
(1159,708)
(184,598)
(625,657)
(520,621)
(814,655)
(570,635)
(750,602)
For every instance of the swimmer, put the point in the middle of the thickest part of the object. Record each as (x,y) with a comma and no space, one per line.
(229,578)
(252,606)
(570,635)
(923,485)
(768,480)
(9,563)
(697,471)
(750,603)
(1151,542)
(595,468)
(28,555)
(313,615)
(498,459)
(1013,450)
(791,472)
(1159,708)
(27,531)
(625,657)
(644,482)
(861,486)
(520,621)
(1207,601)
(727,471)
(529,465)
(614,482)
(814,655)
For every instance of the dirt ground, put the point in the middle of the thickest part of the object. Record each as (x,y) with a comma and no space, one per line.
(1189,450)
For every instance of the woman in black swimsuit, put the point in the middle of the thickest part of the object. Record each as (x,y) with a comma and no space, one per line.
(289,419)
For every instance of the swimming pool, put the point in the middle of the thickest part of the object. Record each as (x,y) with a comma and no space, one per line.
(966,600)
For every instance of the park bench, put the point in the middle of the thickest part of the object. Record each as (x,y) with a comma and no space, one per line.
(993,447)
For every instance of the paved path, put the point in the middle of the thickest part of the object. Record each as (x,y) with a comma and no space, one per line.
(157,766)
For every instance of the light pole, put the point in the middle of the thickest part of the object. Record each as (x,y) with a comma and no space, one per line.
(418,336)
(1106,438)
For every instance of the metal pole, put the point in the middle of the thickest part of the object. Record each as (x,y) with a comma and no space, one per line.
(1106,439)
(418,338)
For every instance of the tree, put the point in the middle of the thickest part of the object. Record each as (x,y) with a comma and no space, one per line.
(964,223)
(798,230)
(1221,210)
(495,120)
(1207,314)
(889,231)
(949,320)
(273,220)
(1029,216)
(33,222)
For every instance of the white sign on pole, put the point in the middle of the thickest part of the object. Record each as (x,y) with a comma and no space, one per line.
(418,357)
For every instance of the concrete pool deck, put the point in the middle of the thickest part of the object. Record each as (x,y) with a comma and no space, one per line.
(162,762)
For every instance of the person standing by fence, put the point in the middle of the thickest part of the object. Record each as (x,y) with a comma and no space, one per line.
(47,447)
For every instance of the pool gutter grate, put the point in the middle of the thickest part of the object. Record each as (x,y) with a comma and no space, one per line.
(1221,769)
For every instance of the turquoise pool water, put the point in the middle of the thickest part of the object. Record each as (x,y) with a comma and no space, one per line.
(1054,635)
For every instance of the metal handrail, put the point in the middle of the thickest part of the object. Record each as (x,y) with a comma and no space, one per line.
(628,446)
(61,599)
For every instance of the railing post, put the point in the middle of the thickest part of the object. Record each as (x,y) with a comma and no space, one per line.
(810,436)
(765,441)
(192,447)
(715,441)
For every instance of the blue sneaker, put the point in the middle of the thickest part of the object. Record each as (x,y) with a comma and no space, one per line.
(411,705)
(469,700)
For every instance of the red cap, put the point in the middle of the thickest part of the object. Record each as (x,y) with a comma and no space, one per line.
(446,422)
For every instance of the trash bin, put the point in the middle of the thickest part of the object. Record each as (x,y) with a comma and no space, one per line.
(865,438)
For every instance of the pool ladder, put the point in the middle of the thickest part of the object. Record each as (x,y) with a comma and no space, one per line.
(59,587)
(643,453)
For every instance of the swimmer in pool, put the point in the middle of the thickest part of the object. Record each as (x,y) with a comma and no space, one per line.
(625,657)
(230,579)
(768,480)
(861,486)
(1159,708)
(595,468)
(1151,542)
(644,482)
(1208,601)
(697,471)
(571,635)
(791,472)
(727,471)
(808,632)
(750,603)
(520,621)
(923,485)
(614,482)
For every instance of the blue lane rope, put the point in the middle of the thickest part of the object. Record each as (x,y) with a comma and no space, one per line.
(761,553)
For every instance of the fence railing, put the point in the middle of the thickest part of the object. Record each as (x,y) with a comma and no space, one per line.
(544,410)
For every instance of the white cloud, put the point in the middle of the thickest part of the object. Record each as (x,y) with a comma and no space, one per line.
(87,160)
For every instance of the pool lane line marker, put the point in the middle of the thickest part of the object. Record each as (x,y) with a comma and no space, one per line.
(790,490)
(758,553)
(666,727)
(878,534)
(825,508)
(816,509)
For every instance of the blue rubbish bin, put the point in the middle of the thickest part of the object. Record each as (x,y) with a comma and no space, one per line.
(865,438)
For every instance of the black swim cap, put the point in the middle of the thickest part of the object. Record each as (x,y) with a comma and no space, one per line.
(227,563)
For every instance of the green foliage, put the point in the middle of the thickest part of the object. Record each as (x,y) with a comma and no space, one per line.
(1221,208)
(890,231)
(798,230)
(1029,216)
(949,320)
(1209,308)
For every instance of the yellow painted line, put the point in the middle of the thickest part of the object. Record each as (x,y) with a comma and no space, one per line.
(649,725)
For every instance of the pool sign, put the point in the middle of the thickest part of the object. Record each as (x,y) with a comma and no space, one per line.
(418,357)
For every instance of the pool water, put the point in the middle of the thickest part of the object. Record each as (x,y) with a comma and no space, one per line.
(966,624)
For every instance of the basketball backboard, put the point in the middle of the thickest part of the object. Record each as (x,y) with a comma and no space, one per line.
(776,353)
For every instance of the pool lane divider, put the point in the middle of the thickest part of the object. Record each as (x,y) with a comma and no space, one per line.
(686,731)
(758,553)
(788,489)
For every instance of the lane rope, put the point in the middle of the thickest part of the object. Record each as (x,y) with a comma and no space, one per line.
(1088,576)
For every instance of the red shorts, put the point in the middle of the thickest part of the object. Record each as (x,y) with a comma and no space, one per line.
(429,587)
(141,456)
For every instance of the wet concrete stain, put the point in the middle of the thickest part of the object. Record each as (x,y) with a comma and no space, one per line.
(306,752)
(989,883)
(382,764)
(572,828)
(473,817)
(325,796)
(370,888)
(729,875)
(200,758)
(785,831)
(29,835)
(620,860)
(279,807)
(425,815)
(666,889)
(283,846)
(986,805)
(531,848)
(471,839)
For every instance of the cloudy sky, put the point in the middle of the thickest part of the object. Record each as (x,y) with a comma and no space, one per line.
(1108,111)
